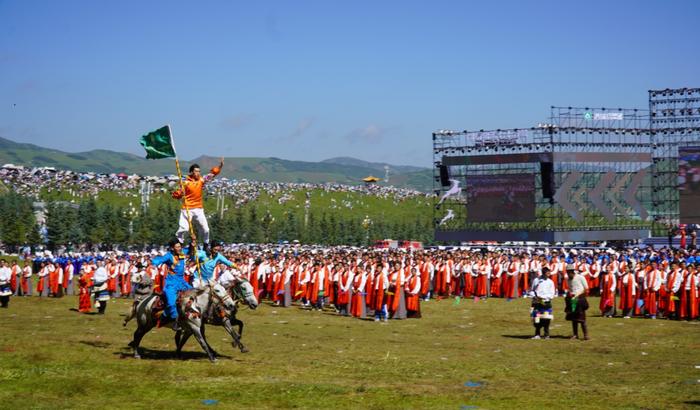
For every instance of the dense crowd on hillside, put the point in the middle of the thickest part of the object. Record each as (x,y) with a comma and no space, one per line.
(361,281)
(30,182)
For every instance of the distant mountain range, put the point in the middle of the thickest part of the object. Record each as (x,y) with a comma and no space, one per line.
(343,170)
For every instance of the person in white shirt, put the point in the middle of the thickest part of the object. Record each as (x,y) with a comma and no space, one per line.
(100,287)
(543,291)
(5,288)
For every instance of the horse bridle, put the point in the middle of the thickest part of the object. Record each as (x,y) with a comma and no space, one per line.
(237,292)
(221,299)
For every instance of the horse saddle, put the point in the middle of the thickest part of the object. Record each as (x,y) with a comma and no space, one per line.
(186,302)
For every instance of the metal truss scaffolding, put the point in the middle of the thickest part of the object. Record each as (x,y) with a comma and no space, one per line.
(601,183)
(675,125)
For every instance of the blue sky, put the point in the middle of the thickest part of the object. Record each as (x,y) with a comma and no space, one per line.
(310,80)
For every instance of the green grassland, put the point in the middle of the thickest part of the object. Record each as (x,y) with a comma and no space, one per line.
(387,210)
(458,355)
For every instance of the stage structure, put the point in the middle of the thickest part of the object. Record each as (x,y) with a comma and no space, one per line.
(675,127)
(584,176)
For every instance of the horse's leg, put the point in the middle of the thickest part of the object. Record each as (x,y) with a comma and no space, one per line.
(240,326)
(206,341)
(130,315)
(237,337)
(178,347)
(138,335)
(194,328)
(183,339)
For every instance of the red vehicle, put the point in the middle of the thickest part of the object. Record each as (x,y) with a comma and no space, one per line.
(386,244)
(394,244)
(415,245)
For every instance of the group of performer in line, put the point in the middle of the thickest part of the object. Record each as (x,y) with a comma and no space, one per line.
(368,283)
(392,284)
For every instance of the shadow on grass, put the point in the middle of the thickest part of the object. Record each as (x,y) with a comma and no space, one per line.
(693,402)
(152,354)
(84,313)
(101,345)
(530,336)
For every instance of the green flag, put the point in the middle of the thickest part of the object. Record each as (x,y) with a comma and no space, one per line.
(158,144)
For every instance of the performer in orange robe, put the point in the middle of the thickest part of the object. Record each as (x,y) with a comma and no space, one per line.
(689,295)
(15,271)
(441,275)
(342,300)
(112,281)
(673,284)
(84,304)
(412,291)
(357,303)
(509,286)
(278,286)
(53,280)
(369,287)
(496,279)
(652,284)
(25,280)
(628,287)
(607,293)
(425,271)
(43,277)
(482,279)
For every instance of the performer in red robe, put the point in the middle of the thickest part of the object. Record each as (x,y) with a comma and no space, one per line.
(357,301)
(628,292)
(412,291)
(84,304)
(689,295)
(652,284)
(608,283)
(15,271)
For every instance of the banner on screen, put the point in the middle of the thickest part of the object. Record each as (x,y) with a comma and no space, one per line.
(501,198)
(689,184)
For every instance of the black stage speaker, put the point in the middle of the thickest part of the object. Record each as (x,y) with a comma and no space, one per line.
(444,176)
(547,172)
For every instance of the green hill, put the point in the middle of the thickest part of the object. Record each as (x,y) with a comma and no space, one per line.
(337,170)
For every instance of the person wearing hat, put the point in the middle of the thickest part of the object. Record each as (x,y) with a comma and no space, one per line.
(175,282)
(543,291)
(576,303)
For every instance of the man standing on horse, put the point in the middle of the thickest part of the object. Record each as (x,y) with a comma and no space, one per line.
(193,204)
(174,282)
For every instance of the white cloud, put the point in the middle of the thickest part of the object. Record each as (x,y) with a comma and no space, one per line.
(371,133)
(301,128)
(237,121)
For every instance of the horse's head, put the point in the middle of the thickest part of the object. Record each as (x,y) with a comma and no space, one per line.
(242,290)
(222,296)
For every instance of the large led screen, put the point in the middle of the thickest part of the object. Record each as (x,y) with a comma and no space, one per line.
(501,198)
(689,184)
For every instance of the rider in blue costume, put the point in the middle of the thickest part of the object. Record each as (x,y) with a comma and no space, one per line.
(207,265)
(175,281)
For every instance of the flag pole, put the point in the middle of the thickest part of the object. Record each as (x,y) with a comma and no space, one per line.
(184,201)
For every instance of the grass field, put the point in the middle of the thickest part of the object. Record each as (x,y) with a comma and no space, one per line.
(459,356)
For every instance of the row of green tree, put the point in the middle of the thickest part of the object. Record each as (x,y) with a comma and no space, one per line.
(106,226)
(18,225)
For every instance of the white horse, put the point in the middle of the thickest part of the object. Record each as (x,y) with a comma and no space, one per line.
(222,315)
(454,190)
(191,305)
